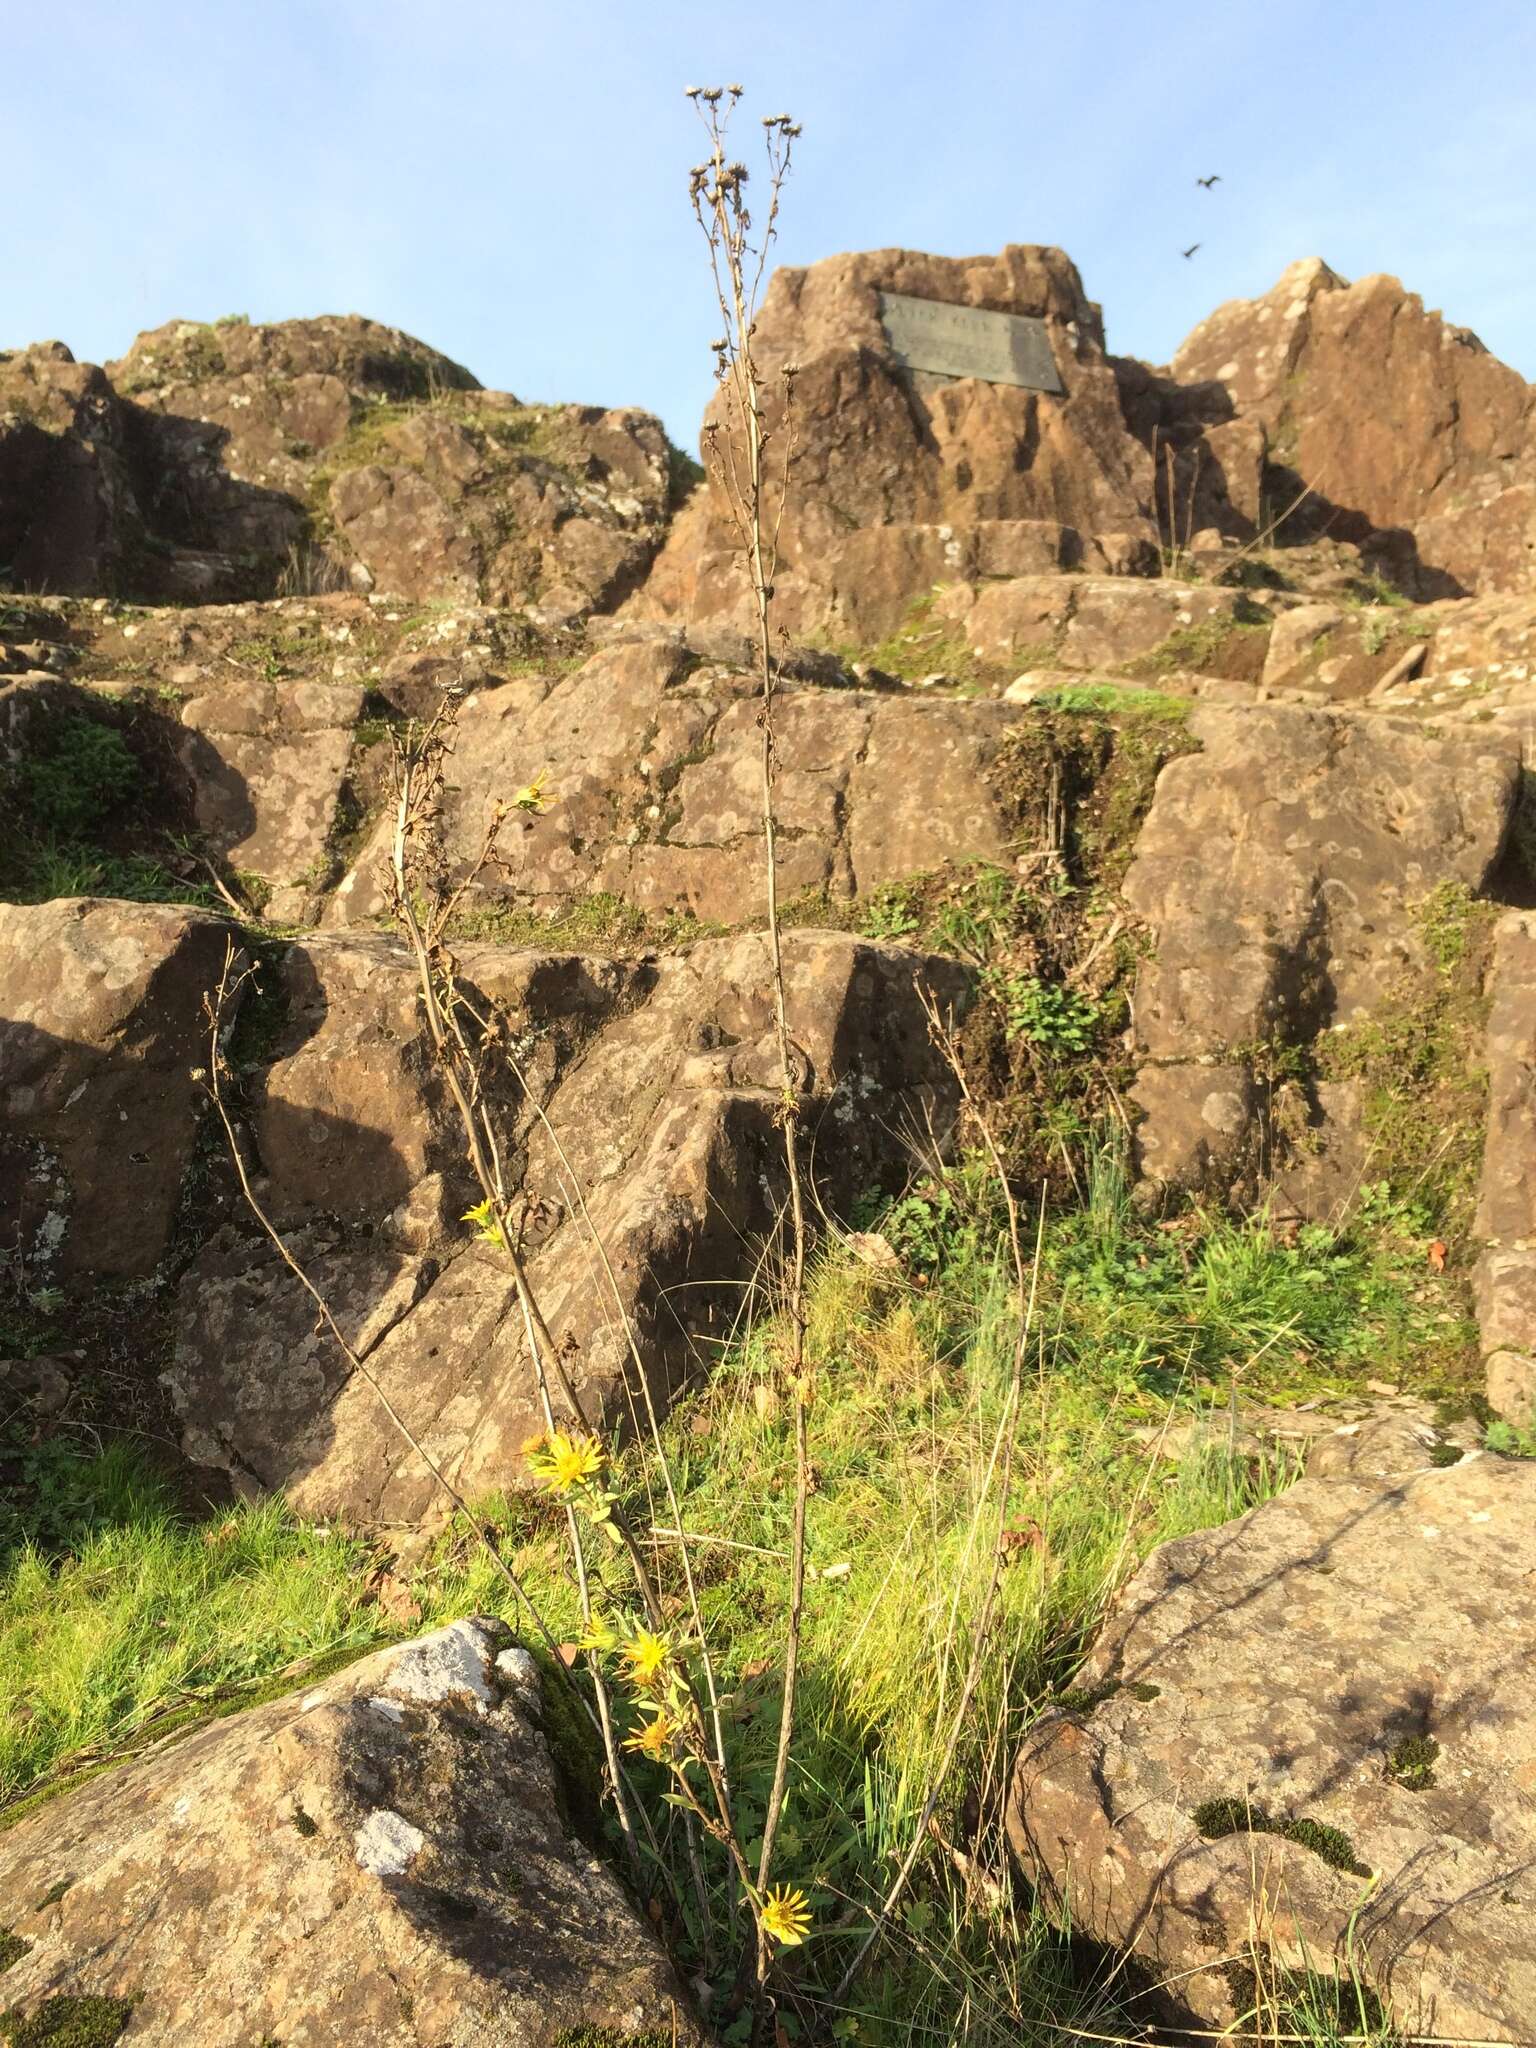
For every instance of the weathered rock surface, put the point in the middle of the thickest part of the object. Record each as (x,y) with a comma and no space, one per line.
(1408,432)
(1092,623)
(1278,870)
(101,1022)
(1505,1281)
(654,761)
(262,729)
(1288,1668)
(660,1078)
(385,1858)
(902,478)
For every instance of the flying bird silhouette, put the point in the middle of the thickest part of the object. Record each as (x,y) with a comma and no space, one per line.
(1213,179)
(1190,250)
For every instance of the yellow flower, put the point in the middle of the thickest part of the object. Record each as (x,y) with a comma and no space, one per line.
(564,1460)
(656,1737)
(645,1657)
(786,1916)
(597,1635)
(483,1217)
(534,797)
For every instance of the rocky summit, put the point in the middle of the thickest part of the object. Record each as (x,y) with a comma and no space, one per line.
(1149,1009)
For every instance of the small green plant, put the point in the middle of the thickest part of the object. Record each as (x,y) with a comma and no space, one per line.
(1509,1440)
(81,773)
(12,1948)
(1445,920)
(1375,633)
(1056,1019)
(892,912)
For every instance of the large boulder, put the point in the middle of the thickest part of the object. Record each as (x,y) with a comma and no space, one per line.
(1404,428)
(101,1024)
(1306,1745)
(648,1123)
(1279,870)
(386,1858)
(903,478)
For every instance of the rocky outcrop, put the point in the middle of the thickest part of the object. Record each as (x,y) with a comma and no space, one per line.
(101,1024)
(903,478)
(385,1858)
(69,520)
(232,461)
(1408,434)
(1278,870)
(339,447)
(1505,1280)
(1294,1762)
(648,1119)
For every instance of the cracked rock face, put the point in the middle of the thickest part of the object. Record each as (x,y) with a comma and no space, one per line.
(660,1077)
(1279,869)
(1274,1667)
(386,1858)
(1505,1281)
(101,1023)
(656,763)
(215,462)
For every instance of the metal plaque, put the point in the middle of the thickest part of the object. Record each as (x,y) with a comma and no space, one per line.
(961,341)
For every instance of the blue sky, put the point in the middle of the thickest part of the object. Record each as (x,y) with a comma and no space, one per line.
(507,181)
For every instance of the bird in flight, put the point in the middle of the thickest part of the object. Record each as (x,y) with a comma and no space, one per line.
(1190,250)
(1213,179)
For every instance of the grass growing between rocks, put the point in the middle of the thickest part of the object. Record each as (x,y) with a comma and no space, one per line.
(137,1617)
(77,808)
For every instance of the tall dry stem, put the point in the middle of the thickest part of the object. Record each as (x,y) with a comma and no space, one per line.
(756,492)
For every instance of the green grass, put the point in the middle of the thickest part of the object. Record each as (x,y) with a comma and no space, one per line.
(149,1613)
(132,1616)
(599,923)
(70,808)
(922,645)
(1092,699)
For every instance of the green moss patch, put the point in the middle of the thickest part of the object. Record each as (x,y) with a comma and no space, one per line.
(1412,1761)
(69,2022)
(1217,1818)
(1232,646)
(12,1948)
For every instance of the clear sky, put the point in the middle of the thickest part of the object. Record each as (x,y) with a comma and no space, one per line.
(507,178)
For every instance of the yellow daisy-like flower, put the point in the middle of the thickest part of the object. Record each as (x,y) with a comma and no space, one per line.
(563,1459)
(645,1657)
(655,1739)
(534,797)
(483,1217)
(786,1916)
(597,1635)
